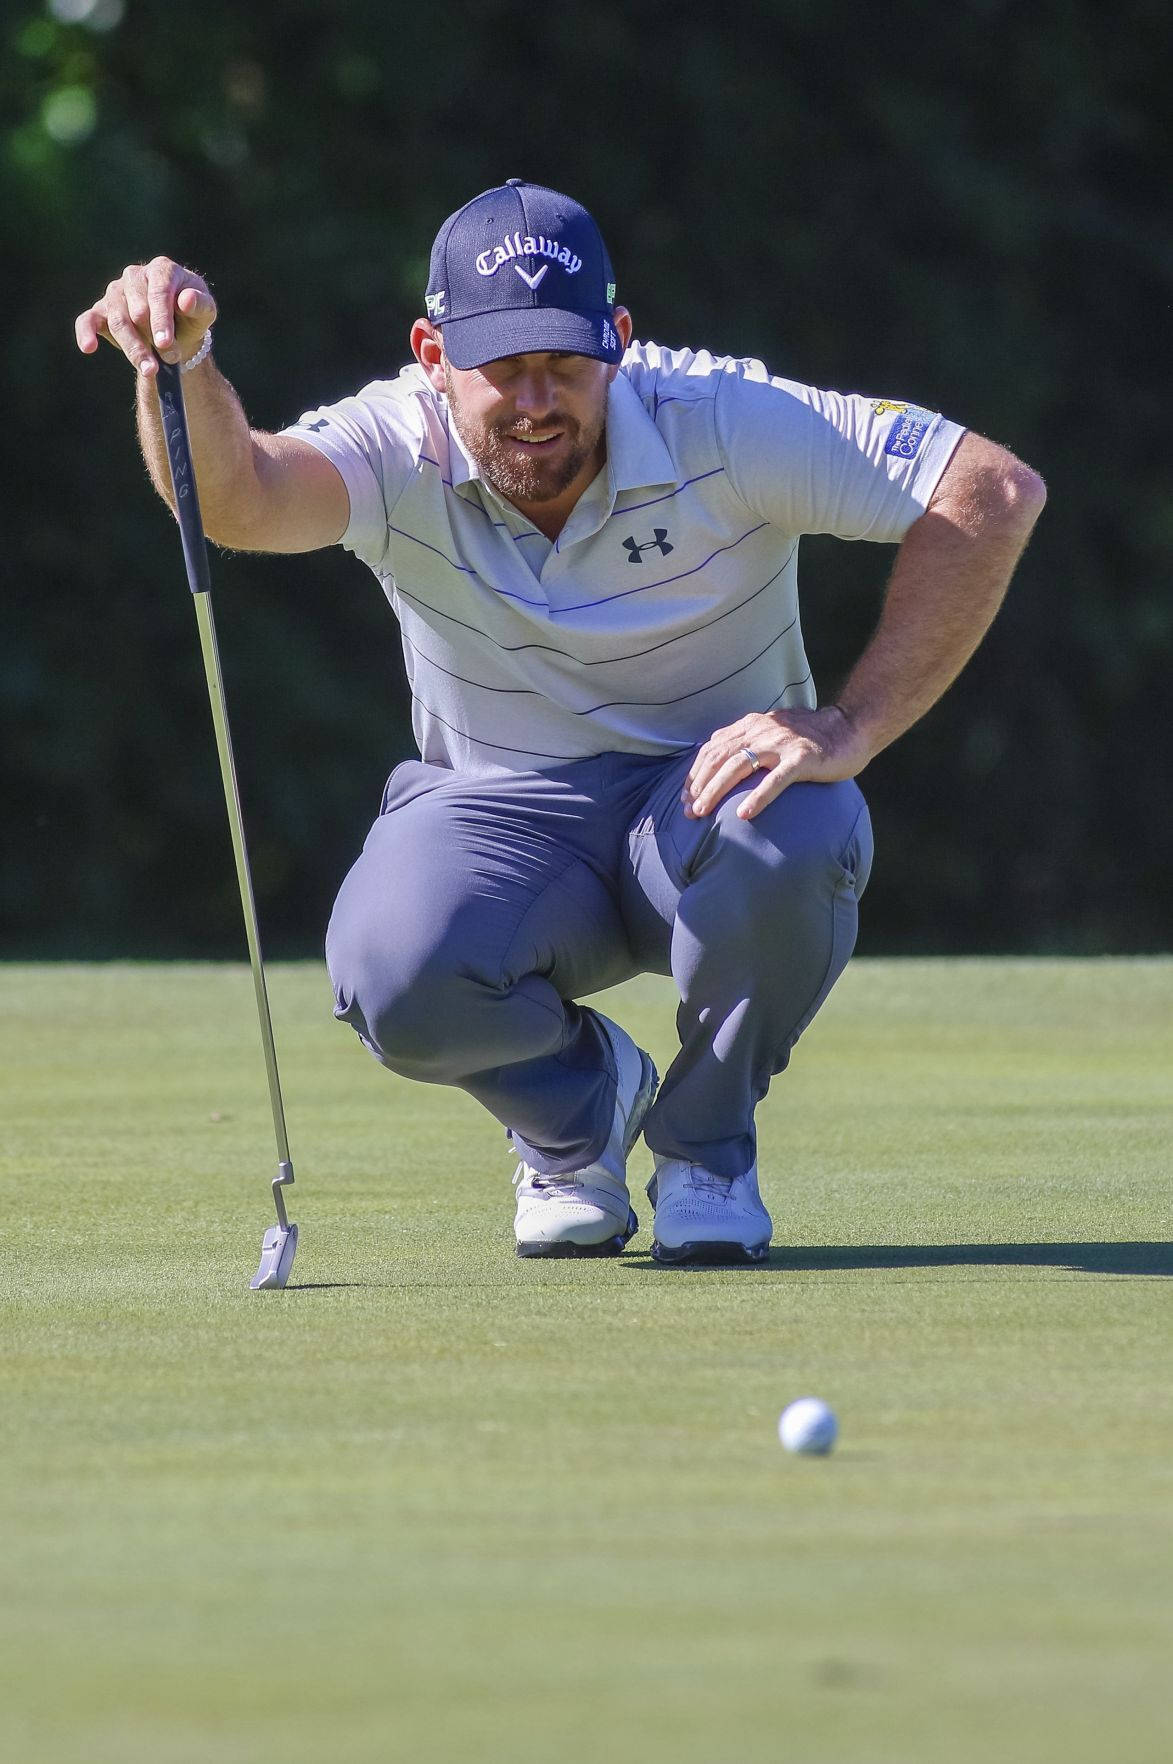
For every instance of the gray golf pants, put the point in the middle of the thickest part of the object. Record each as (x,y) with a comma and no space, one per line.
(482,907)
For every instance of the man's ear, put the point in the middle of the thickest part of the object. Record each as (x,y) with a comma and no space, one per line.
(621,319)
(427,345)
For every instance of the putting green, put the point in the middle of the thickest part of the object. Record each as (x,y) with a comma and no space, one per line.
(436,1504)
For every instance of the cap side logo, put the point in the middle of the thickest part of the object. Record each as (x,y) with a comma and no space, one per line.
(435,303)
(518,245)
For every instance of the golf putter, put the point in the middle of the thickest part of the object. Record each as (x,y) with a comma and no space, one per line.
(280,1242)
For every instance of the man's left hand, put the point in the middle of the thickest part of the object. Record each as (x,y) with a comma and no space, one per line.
(814,746)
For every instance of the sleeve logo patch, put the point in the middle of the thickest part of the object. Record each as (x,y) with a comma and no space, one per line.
(909,429)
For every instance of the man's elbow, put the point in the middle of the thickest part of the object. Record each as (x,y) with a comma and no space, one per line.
(984,483)
(228,534)
(1024,490)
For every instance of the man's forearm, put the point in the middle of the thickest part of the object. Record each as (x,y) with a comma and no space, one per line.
(258,492)
(222,450)
(950,576)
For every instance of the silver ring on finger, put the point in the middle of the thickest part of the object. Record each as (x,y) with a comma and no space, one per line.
(751,756)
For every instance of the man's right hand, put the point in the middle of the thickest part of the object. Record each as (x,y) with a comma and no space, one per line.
(257,492)
(153,309)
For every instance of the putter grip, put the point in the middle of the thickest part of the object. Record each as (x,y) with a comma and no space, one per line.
(187,502)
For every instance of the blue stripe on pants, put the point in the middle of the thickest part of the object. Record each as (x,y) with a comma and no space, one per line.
(482,907)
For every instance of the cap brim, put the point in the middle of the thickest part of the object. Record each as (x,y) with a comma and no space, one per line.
(528,330)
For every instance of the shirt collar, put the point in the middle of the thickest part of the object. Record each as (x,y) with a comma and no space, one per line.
(465,469)
(637,454)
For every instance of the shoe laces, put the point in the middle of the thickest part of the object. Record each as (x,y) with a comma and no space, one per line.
(539,1182)
(719,1187)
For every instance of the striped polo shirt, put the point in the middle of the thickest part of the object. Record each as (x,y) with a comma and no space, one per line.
(668,606)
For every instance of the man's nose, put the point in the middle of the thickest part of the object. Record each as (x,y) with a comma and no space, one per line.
(534,395)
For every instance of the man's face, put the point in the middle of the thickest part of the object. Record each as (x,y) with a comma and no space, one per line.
(533,423)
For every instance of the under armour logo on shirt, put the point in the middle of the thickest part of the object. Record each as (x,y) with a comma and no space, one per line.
(659,543)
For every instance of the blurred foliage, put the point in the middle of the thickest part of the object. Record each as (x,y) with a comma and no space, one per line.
(966,206)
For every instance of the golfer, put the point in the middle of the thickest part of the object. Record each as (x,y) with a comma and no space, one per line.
(591,546)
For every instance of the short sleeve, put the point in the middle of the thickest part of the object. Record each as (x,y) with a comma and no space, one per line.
(372,439)
(811,461)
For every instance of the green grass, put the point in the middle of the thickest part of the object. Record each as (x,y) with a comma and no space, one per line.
(436,1504)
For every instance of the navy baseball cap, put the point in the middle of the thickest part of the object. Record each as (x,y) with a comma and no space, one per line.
(519,270)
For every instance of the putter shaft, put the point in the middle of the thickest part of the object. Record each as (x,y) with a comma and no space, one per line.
(195,553)
(207,628)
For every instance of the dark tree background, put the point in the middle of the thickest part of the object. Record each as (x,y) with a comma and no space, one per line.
(965,205)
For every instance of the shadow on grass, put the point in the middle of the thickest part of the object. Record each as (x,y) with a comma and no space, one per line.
(1083,1258)
(326,1285)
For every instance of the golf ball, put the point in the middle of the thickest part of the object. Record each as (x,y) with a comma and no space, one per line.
(808,1425)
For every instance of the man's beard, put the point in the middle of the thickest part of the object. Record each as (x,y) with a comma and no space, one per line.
(516,477)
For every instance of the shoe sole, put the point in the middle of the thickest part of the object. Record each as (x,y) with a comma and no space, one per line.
(711,1255)
(611,1246)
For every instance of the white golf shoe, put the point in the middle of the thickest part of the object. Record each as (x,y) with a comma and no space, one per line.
(705,1218)
(588,1212)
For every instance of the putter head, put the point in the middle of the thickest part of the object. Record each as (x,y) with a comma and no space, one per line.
(277,1253)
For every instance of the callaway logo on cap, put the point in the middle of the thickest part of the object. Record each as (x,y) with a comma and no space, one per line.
(521,269)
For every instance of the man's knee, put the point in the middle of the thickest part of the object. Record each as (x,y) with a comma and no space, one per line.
(406,1002)
(808,843)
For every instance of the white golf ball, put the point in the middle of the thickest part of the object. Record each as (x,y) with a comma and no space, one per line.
(808,1425)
